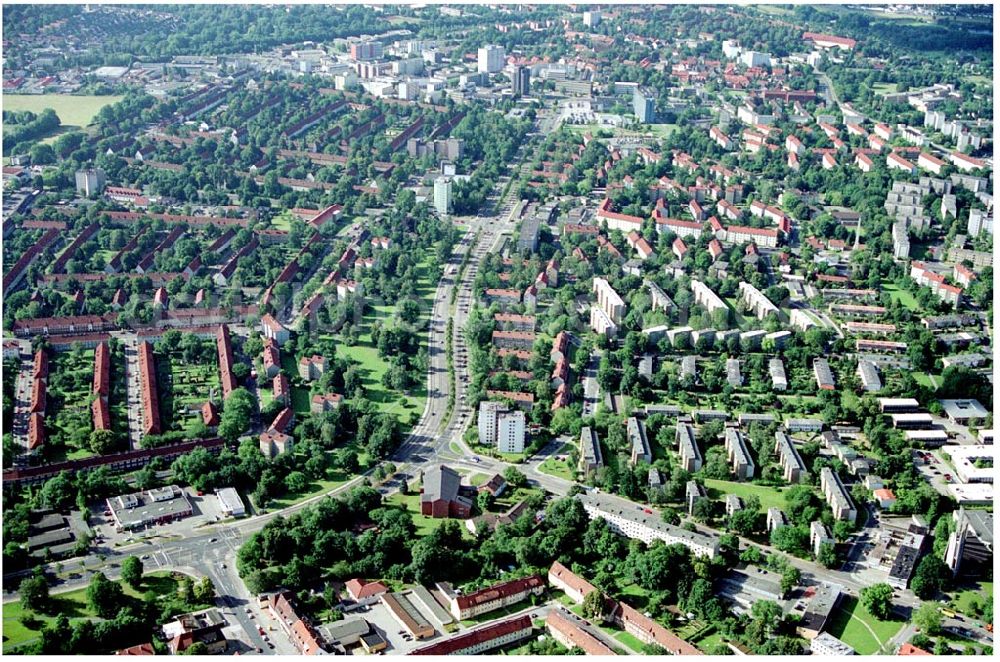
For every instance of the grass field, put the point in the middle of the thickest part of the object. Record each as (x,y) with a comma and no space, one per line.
(334,479)
(424,525)
(769,496)
(926,379)
(979,80)
(557,468)
(372,366)
(68,412)
(73,111)
(73,605)
(856,627)
(184,388)
(883,88)
(904,297)
(962,601)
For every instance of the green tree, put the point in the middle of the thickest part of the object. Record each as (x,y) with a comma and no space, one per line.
(827,556)
(204,590)
(928,618)
(104,597)
(132,571)
(34,593)
(593,605)
(515,477)
(877,599)
(930,577)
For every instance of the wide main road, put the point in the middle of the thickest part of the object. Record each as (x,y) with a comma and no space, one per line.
(213,552)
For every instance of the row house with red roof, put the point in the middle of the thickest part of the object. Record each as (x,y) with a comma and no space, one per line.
(936,282)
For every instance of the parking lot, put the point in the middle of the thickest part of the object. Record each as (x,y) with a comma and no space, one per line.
(205,508)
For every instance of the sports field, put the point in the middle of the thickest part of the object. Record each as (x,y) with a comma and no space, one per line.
(72,110)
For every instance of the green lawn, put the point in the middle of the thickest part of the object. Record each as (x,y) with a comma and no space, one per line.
(902,296)
(661,130)
(334,479)
(979,80)
(72,110)
(73,605)
(883,88)
(962,601)
(424,525)
(848,625)
(769,496)
(629,641)
(557,468)
(300,394)
(68,418)
(926,379)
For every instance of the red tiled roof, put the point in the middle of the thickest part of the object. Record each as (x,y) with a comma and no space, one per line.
(150,402)
(224,349)
(475,637)
(499,591)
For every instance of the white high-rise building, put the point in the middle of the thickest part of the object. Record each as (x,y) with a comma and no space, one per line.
(442,195)
(591,18)
(510,432)
(491,59)
(487,422)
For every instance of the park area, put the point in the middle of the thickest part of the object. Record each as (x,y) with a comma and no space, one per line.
(184,388)
(372,366)
(770,497)
(72,110)
(68,418)
(21,626)
(859,629)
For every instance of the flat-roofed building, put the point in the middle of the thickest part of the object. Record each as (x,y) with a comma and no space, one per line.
(634,521)
(150,507)
(910,550)
(733,375)
(230,503)
(916,421)
(755,300)
(601,323)
(638,442)
(608,300)
(689,367)
(733,503)
(973,462)
(836,495)
(792,466)
(660,299)
(687,447)
(775,367)
(829,646)
(898,405)
(971,543)
(803,425)
(737,454)
(693,493)
(966,411)
(868,374)
(591,458)
(705,297)
(776,518)
(818,609)
(819,535)
(824,376)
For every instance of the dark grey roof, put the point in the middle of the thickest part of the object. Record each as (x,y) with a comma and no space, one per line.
(441,482)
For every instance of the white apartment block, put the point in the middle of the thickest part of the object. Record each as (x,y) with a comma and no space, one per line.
(633,521)
(793,468)
(756,301)
(609,300)
(836,496)
(687,447)
(818,535)
(491,59)
(510,432)
(601,323)
(705,297)
(737,455)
